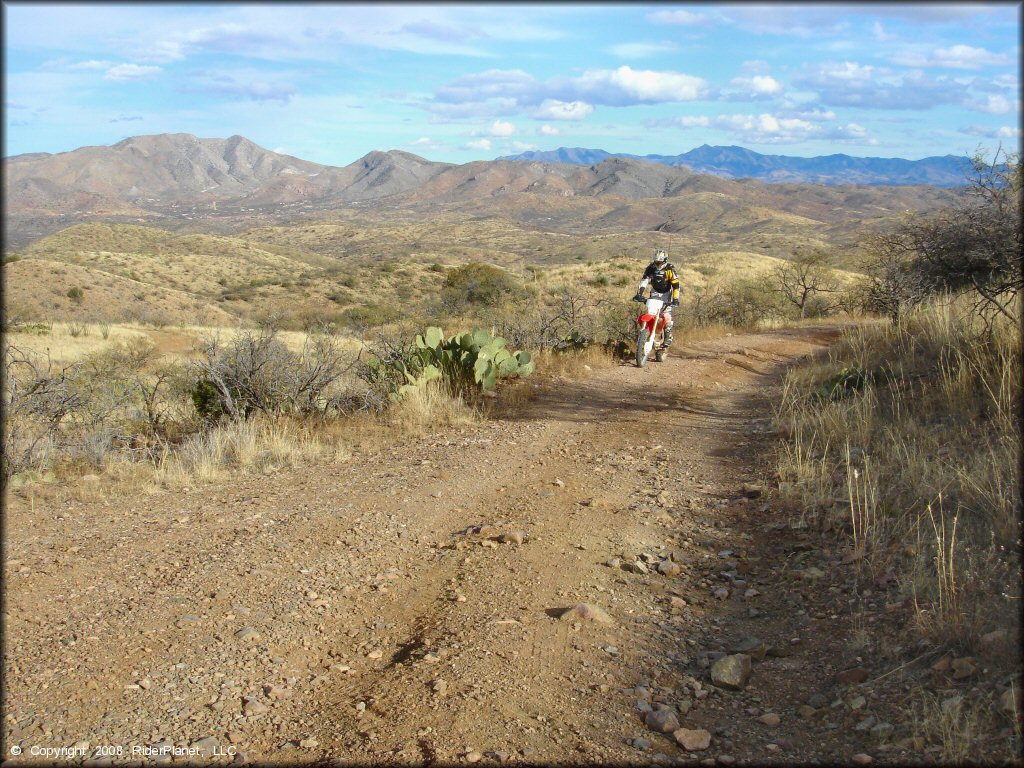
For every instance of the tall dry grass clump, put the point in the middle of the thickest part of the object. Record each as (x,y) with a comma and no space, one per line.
(906,441)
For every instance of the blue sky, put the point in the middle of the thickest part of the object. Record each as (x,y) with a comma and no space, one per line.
(462,82)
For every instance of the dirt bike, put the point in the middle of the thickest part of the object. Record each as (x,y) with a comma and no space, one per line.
(651,337)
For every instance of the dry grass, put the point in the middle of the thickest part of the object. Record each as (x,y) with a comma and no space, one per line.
(257,445)
(68,342)
(907,440)
(952,725)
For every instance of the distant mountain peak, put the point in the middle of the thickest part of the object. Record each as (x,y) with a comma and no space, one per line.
(733,162)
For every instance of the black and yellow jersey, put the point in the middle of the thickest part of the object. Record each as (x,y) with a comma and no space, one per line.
(662,278)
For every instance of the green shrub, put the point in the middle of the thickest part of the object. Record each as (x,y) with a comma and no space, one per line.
(76,294)
(477,285)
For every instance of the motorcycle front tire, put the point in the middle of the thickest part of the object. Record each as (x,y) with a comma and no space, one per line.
(641,343)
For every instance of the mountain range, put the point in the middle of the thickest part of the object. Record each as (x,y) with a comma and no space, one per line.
(740,163)
(226,185)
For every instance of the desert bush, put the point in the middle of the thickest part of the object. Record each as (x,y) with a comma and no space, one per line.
(76,294)
(254,372)
(569,319)
(974,246)
(907,440)
(743,303)
(476,285)
(116,400)
(359,319)
(804,281)
(76,328)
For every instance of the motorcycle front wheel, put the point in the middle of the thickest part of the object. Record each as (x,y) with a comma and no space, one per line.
(641,344)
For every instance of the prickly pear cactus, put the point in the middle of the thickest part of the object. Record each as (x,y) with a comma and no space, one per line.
(478,357)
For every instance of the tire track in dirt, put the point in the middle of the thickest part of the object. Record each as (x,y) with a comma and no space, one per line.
(351,576)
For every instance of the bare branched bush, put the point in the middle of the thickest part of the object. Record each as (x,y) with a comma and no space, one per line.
(973,246)
(116,400)
(742,303)
(37,402)
(255,372)
(804,281)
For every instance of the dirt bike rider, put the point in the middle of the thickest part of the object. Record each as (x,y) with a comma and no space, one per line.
(664,282)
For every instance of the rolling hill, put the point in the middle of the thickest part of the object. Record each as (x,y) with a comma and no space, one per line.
(173,228)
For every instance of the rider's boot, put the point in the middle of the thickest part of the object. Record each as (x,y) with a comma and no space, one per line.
(668,338)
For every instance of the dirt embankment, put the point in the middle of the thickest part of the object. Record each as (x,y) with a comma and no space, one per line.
(405,606)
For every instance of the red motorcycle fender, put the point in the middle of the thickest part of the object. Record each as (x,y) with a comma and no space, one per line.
(647,319)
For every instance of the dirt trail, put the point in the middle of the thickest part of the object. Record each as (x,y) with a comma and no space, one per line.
(358,612)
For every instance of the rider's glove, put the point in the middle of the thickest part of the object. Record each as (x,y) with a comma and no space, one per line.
(675,303)
(639,296)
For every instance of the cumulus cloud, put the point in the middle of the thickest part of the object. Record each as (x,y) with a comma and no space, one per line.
(1004,132)
(855,85)
(548,130)
(503,92)
(500,129)
(772,129)
(625,86)
(758,85)
(124,72)
(494,83)
(479,144)
(993,104)
(521,146)
(552,109)
(955,57)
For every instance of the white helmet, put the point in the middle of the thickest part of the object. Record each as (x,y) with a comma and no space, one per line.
(660,257)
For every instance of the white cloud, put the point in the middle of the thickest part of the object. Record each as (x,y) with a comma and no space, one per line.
(246,83)
(880,34)
(772,129)
(1004,132)
(855,85)
(803,20)
(480,144)
(994,104)
(501,129)
(552,109)
(955,57)
(130,72)
(625,85)
(759,85)
(506,92)
(522,146)
(548,130)
(682,18)
(701,121)
(968,57)
(641,50)
(91,64)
